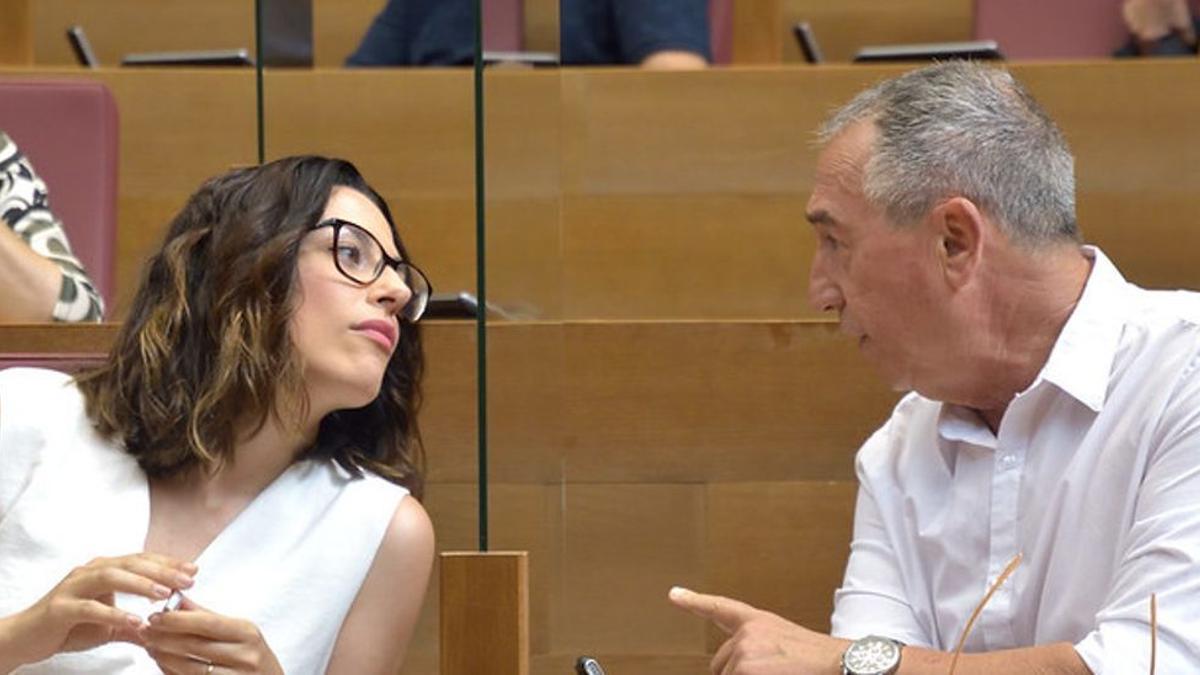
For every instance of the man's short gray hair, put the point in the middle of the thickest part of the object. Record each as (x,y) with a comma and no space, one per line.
(963,129)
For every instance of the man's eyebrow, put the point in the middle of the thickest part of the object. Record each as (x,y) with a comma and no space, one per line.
(821,217)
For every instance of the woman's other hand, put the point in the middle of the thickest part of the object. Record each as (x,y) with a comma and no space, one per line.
(80,612)
(196,641)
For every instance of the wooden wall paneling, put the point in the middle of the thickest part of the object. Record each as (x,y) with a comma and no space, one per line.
(687,187)
(525,402)
(410,132)
(1137,164)
(624,546)
(448,411)
(652,402)
(522,169)
(609,524)
(681,188)
(178,129)
(527,416)
(56,338)
(781,546)
(16,32)
(676,185)
(729,401)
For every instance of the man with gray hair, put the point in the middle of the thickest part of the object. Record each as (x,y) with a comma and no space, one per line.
(1052,429)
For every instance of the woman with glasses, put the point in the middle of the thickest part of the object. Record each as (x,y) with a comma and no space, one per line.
(234,489)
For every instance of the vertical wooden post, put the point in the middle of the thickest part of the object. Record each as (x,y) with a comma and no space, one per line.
(485,613)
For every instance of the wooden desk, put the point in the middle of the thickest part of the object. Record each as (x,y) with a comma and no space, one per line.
(629,457)
(625,195)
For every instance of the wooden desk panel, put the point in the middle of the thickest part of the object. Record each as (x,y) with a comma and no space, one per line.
(689,402)
(51,339)
(691,188)
(411,132)
(631,457)
(625,195)
(1137,160)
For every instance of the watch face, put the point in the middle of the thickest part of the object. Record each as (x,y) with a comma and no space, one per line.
(871,655)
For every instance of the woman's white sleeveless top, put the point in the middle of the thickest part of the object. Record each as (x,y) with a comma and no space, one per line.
(292,562)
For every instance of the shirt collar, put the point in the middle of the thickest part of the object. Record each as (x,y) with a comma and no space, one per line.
(1082,357)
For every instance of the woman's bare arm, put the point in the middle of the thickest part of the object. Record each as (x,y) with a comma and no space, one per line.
(375,635)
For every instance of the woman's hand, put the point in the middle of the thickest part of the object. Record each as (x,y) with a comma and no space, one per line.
(195,641)
(79,613)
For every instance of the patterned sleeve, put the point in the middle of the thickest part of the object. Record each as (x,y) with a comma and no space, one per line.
(24,207)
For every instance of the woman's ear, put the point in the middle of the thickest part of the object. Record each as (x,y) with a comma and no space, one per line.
(960,230)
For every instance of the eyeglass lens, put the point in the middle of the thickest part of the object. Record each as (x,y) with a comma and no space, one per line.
(361,257)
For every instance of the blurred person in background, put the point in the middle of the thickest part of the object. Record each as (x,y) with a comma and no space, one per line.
(664,34)
(1159,28)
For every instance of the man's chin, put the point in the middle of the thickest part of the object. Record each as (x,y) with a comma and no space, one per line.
(897,382)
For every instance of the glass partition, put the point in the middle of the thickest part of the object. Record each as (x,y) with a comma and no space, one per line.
(649,347)
(390,88)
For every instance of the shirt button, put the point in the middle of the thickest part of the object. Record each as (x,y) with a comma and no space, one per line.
(1008,461)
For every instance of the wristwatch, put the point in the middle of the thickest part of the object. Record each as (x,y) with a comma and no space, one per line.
(872,655)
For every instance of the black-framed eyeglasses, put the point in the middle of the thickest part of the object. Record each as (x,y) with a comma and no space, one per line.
(360,257)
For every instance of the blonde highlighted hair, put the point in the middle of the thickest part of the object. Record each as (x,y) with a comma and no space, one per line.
(206,348)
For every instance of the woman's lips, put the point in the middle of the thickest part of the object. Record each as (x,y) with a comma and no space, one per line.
(379,338)
(382,332)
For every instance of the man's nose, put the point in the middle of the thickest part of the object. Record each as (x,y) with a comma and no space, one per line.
(823,293)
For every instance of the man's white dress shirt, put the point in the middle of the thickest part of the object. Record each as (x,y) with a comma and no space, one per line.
(1094,477)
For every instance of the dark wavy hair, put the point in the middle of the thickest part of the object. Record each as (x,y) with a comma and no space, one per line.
(207,344)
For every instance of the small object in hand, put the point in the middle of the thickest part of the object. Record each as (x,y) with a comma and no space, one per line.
(586,665)
(173,602)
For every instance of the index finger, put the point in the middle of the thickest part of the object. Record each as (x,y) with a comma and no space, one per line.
(185,566)
(728,614)
(193,619)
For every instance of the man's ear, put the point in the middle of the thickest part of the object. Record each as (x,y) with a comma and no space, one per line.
(960,231)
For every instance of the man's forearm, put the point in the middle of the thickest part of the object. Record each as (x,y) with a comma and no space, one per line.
(1055,659)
